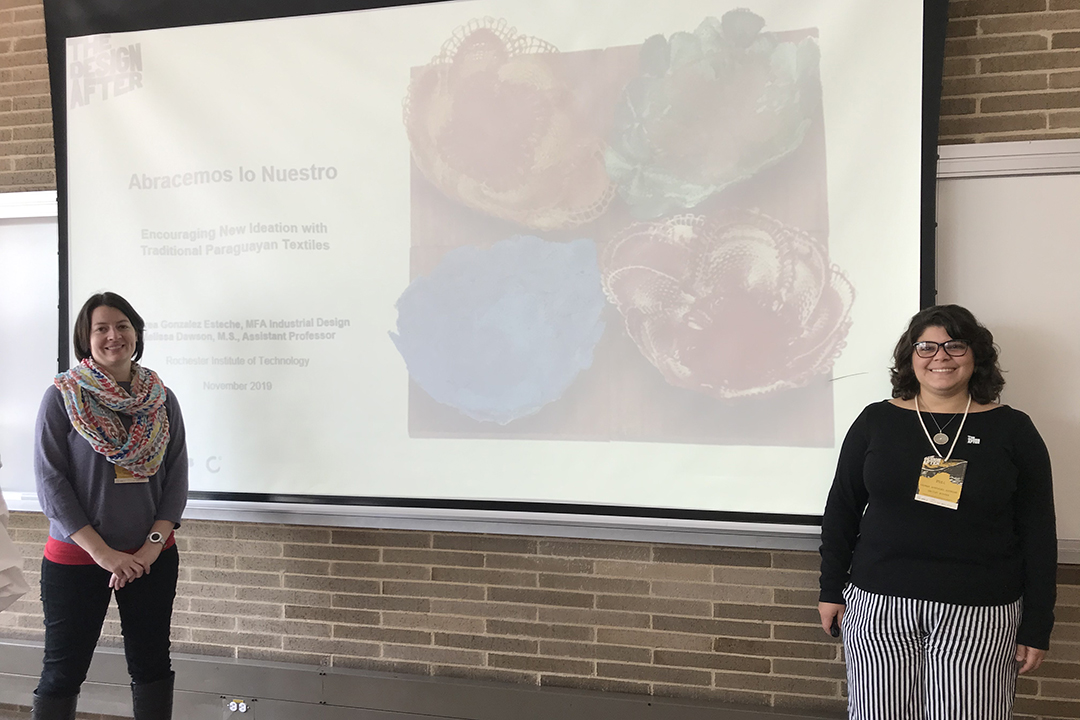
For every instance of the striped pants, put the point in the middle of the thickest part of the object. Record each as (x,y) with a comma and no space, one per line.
(921,660)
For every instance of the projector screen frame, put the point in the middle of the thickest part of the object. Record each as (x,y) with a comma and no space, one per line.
(73,18)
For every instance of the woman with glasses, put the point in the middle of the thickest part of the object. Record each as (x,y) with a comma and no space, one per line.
(938,546)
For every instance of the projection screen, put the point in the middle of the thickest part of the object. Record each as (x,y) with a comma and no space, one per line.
(609,256)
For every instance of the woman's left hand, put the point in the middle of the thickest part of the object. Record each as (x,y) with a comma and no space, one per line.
(1031,658)
(147,555)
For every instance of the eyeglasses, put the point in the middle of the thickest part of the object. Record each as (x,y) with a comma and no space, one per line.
(928,348)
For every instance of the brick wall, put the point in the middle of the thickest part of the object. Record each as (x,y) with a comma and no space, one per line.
(729,624)
(1012,71)
(26,148)
(737,625)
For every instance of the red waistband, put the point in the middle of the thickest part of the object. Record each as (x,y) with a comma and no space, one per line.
(65,553)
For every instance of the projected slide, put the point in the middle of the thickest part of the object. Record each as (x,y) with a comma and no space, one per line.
(623,154)
(618,254)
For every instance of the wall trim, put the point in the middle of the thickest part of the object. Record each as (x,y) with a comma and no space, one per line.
(21,205)
(1005,159)
(761,536)
(593,527)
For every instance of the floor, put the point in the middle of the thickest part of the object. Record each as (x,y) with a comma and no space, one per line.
(19,712)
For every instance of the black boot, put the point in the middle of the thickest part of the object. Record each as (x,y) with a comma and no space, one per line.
(50,708)
(153,701)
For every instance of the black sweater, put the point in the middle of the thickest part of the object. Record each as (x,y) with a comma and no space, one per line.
(999,545)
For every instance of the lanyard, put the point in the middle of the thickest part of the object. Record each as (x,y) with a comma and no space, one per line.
(959,430)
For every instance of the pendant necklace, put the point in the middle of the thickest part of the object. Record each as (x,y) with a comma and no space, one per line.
(940,438)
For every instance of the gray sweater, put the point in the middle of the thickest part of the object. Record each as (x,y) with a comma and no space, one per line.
(76,485)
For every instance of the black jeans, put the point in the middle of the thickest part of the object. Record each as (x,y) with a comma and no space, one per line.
(75,599)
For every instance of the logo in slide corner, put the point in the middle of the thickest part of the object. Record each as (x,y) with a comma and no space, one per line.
(97,71)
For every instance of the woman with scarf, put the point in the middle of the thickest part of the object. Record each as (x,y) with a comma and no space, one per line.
(111,468)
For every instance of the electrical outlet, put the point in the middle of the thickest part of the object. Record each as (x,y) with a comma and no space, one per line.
(234,708)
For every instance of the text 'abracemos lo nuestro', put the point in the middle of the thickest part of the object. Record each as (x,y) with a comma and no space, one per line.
(267,173)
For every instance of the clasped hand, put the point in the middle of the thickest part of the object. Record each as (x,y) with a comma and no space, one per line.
(126,567)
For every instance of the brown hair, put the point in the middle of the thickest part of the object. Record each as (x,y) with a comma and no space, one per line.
(81,337)
(986,381)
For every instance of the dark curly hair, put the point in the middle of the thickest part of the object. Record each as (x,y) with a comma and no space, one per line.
(81,336)
(986,381)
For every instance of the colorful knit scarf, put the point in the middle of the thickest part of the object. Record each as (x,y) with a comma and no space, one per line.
(93,399)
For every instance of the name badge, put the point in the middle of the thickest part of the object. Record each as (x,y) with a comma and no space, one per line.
(941,481)
(124,476)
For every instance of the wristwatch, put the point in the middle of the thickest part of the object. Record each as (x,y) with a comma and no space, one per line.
(156,537)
